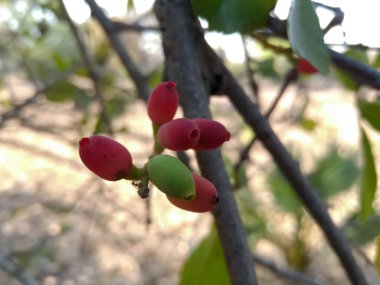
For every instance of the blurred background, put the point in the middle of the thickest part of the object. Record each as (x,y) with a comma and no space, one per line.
(62,80)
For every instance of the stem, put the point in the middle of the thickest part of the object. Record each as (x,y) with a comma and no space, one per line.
(180,37)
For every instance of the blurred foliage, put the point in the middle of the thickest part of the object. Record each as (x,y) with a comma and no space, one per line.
(231,16)
(206,265)
(39,47)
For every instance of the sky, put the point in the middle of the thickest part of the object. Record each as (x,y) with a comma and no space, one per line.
(360,25)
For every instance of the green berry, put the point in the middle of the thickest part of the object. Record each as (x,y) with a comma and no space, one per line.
(171,176)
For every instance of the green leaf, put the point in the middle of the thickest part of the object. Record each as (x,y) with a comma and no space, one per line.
(306,36)
(206,265)
(266,68)
(370,112)
(376,62)
(368,179)
(284,193)
(254,223)
(363,232)
(346,80)
(377,259)
(308,124)
(62,91)
(333,174)
(231,16)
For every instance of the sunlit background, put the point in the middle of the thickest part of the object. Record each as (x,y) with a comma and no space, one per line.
(66,226)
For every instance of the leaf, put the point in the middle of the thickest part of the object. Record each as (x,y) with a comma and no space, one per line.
(284,194)
(376,62)
(231,16)
(346,80)
(377,260)
(266,68)
(306,36)
(333,174)
(370,112)
(363,232)
(368,179)
(206,265)
(62,91)
(308,124)
(253,222)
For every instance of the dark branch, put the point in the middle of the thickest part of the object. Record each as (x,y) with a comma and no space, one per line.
(290,77)
(180,35)
(289,167)
(108,26)
(124,27)
(361,73)
(285,272)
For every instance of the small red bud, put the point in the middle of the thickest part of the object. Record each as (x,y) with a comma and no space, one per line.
(163,102)
(105,157)
(212,134)
(178,134)
(206,197)
(305,67)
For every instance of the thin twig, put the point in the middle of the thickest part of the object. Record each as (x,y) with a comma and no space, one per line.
(134,27)
(138,78)
(251,73)
(285,272)
(92,70)
(15,111)
(180,37)
(290,77)
(9,266)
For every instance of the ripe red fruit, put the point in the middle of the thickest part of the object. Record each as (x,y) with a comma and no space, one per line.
(178,134)
(206,196)
(163,102)
(105,157)
(212,134)
(304,66)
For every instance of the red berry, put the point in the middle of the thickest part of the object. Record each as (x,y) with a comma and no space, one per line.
(178,134)
(163,102)
(105,157)
(212,134)
(304,66)
(206,196)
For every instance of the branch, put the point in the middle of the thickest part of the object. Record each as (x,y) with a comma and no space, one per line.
(284,272)
(17,272)
(17,108)
(92,69)
(124,27)
(289,167)
(180,35)
(290,77)
(108,26)
(362,73)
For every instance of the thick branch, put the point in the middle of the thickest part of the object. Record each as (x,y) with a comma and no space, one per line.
(179,41)
(289,167)
(138,78)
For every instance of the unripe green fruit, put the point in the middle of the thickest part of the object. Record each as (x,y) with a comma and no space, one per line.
(171,176)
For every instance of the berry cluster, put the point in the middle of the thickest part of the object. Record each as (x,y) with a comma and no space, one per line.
(111,161)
